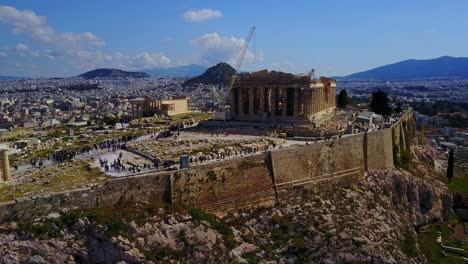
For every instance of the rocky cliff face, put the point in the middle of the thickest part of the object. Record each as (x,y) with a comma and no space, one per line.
(220,74)
(372,221)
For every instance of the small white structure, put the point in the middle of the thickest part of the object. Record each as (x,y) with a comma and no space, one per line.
(79,124)
(365,117)
(121,126)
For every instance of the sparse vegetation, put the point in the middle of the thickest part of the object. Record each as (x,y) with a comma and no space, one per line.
(161,253)
(198,216)
(409,244)
(402,158)
(211,175)
(431,250)
(57,178)
(41,230)
(116,226)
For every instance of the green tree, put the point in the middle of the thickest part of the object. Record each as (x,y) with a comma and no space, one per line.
(148,113)
(342,99)
(379,103)
(111,120)
(398,108)
(450,165)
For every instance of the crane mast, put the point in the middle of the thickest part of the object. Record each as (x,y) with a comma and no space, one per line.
(240,59)
(237,66)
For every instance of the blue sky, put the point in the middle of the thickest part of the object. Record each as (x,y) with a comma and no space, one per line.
(63,38)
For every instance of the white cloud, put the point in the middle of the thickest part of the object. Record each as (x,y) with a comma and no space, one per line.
(81,50)
(98,59)
(215,48)
(22,47)
(199,15)
(151,60)
(3,54)
(24,50)
(28,23)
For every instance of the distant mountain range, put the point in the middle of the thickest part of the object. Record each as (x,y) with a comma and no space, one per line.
(221,73)
(6,78)
(439,68)
(112,73)
(185,70)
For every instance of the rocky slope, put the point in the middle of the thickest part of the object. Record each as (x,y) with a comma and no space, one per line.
(100,73)
(220,74)
(373,221)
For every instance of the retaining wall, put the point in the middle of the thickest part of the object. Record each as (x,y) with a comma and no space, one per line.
(153,188)
(329,161)
(224,185)
(255,180)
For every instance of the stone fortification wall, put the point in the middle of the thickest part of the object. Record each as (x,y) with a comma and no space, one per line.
(27,208)
(403,131)
(379,149)
(225,185)
(249,181)
(153,188)
(329,161)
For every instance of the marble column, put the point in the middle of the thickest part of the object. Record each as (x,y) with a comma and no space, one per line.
(297,104)
(241,101)
(251,95)
(284,101)
(320,99)
(231,100)
(6,165)
(314,100)
(262,100)
(273,103)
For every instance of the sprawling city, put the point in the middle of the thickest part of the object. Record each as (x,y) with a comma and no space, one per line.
(227,149)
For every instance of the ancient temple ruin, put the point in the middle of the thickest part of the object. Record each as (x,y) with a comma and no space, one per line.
(169,107)
(281,97)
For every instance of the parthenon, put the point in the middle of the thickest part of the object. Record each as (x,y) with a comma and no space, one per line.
(281,97)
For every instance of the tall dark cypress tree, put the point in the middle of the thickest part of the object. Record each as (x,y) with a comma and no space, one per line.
(450,165)
(380,103)
(342,99)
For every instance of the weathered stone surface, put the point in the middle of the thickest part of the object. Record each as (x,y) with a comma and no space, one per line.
(447,203)
(426,198)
